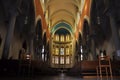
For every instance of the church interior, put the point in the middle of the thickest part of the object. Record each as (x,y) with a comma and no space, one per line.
(62,39)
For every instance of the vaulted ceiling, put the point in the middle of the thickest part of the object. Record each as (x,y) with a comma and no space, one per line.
(62,11)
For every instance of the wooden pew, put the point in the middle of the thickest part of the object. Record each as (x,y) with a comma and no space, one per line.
(88,67)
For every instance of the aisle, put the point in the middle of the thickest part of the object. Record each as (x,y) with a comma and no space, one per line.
(61,76)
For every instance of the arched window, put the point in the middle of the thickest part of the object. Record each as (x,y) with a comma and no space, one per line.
(43,55)
(62,51)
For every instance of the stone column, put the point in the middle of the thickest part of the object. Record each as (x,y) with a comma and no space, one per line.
(93,45)
(115,35)
(31,50)
(9,34)
(93,49)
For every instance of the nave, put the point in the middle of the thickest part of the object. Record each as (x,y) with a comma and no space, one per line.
(39,37)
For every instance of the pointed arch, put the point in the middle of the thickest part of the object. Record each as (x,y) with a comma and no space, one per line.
(38,30)
(44,39)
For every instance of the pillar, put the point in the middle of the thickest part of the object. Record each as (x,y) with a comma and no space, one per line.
(93,45)
(9,34)
(93,49)
(115,35)
(31,51)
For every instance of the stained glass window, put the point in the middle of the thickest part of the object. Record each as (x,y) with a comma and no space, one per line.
(61,60)
(67,60)
(61,51)
(56,51)
(67,51)
(56,60)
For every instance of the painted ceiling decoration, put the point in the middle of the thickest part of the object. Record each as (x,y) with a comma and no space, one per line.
(62,25)
(62,31)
